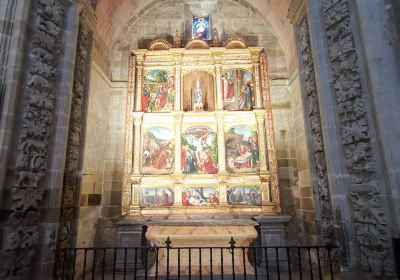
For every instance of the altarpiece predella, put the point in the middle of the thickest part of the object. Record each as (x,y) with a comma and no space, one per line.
(199,135)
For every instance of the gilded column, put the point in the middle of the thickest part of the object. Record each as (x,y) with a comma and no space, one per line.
(222,190)
(134,207)
(178,191)
(221,143)
(261,140)
(178,128)
(220,102)
(272,158)
(139,79)
(265,197)
(128,160)
(178,61)
(136,152)
(256,71)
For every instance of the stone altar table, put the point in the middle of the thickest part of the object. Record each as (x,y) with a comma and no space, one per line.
(202,234)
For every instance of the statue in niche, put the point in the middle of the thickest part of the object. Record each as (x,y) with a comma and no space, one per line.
(216,42)
(198,98)
(177,39)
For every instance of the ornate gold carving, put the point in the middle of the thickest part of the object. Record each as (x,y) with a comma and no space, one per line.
(269,124)
(235,42)
(185,61)
(197,44)
(130,103)
(159,45)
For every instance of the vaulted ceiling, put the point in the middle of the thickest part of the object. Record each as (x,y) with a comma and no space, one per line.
(115,17)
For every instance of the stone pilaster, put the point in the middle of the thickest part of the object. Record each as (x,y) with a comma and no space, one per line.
(69,215)
(356,179)
(322,198)
(31,193)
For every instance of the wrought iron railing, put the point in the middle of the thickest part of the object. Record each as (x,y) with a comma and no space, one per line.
(208,263)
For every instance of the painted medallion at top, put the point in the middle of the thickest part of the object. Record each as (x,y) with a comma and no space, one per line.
(158,91)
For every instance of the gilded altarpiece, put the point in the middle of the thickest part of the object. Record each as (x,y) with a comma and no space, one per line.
(197,134)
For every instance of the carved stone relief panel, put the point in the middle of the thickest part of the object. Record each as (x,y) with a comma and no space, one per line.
(370,224)
(27,182)
(321,189)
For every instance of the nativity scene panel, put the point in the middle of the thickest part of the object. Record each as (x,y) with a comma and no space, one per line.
(241,146)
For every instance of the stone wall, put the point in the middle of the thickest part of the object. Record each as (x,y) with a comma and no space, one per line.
(114,151)
(304,192)
(227,17)
(94,157)
(292,151)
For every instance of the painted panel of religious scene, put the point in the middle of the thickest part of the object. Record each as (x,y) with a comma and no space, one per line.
(156,197)
(238,90)
(158,91)
(199,150)
(200,197)
(158,151)
(198,91)
(241,149)
(244,196)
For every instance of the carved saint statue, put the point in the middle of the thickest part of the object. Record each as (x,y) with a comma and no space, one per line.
(216,42)
(177,39)
(197,98)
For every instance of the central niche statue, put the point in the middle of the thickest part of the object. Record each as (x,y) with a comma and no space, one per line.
(198,98)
